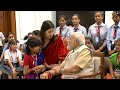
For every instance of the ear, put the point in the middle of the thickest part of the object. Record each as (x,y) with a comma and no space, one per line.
(76,43)
(79,20)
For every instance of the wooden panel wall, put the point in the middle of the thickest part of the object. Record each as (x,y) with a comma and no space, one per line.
(7,22)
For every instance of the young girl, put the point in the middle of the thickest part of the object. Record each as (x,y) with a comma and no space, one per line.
(12,61)
(113,32)
(9,36)
(63,30)
(115,62)
(76,25)
(89,43)
(33,59)
(97,32)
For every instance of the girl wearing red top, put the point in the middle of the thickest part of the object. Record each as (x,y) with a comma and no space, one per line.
(33,59)
(54,49)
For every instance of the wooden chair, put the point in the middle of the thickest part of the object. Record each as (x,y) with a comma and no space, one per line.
(100,71)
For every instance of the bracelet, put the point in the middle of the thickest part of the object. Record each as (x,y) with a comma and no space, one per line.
(49,75)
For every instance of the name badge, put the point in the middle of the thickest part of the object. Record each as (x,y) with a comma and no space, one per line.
(97,39)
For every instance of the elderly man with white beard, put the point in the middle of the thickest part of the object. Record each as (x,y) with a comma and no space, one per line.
(79,60)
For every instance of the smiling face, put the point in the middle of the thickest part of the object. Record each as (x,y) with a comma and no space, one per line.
(10,37)
(75,20)
(62,21)
(98,17)
(49,33)
(115,17)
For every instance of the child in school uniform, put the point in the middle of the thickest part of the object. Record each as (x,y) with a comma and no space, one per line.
(98,32)
(9,36)
(113,32)
(76,25)
(115,63)
(12,61)
(33,59)
(63,30)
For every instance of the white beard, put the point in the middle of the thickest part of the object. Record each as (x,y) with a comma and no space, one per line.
(69,47)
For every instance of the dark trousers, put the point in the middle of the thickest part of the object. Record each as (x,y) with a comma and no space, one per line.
(1,50)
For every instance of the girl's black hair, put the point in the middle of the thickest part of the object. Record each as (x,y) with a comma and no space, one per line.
(77,15)
(13,41)
(89,38)
(32,42)
(7,35)
(69,23)
(45,26)
(62,16)
(101,12)
(26,37)
(36,32)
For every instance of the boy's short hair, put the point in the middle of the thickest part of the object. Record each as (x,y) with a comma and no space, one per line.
(13,41)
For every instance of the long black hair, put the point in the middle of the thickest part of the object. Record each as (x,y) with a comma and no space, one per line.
(26,37)
(7,35)
(45,26)
(32,42)
(36,32)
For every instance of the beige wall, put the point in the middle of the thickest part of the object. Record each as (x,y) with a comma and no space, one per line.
(27,21)
(108,18)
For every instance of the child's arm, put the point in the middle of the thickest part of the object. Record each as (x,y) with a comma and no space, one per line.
(19,58)
(2,55)
(10,64)
(20,62)
(27,70)
(8,59)
(40,68)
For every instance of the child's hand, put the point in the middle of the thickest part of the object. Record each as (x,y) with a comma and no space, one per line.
(13,70)
(56,69)
(37,71)
(35,68)
(44,76)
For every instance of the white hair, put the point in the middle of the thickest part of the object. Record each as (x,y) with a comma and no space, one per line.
(80,38)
